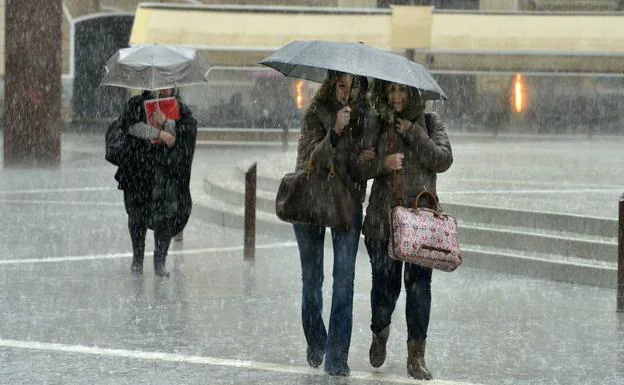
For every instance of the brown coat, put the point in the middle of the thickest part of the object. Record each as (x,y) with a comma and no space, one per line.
(427,152)
(315,142)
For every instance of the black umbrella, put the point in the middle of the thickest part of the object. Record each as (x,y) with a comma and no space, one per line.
(310,60)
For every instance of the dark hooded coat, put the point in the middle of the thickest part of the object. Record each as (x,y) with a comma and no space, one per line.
(321,149)
(155,178)
(427,152)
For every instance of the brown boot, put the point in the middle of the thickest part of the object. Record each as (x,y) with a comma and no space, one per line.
(416,360)
(377,352)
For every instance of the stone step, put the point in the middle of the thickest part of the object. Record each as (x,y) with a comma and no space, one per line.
(538,265)
(605,228)
(479,225)
(499,236)
(544,266)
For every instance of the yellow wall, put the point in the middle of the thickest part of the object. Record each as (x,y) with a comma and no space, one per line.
(404,27)
(257,30)
(572,34)
(410,27)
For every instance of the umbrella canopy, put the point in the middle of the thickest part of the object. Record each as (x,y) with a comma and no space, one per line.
(310,60)
(154,67)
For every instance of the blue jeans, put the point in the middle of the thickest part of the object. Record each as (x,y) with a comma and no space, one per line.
(387,287)
(335,341)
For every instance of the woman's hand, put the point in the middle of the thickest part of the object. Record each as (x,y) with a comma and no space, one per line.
(367,154)
(342,119)
(159,117)
(403,126)
(167,138)
(394,161)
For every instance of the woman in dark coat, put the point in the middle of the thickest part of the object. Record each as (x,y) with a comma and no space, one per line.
(331,133)
(412,147)
(155,177)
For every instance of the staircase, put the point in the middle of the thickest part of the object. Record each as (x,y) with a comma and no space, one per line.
(581,249)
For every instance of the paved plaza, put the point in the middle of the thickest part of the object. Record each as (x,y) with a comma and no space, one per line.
(71,313)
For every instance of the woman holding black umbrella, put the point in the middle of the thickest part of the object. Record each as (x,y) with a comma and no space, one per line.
(331,132)
(324,128)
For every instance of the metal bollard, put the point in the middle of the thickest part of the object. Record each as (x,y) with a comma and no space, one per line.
(285,137)
(620,284)
(250,212)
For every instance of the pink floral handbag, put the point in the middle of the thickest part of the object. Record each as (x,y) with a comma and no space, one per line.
(424,236)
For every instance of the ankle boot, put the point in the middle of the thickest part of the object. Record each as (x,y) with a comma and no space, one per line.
(159,265)
(377,351)
(416,360)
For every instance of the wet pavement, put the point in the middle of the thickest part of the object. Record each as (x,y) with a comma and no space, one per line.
(71,313)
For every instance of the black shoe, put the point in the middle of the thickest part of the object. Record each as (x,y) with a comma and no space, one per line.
(315,359)
(137,267)
(344,372)
(160,270)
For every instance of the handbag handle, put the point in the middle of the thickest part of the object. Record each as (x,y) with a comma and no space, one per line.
(431,196)
(398,188)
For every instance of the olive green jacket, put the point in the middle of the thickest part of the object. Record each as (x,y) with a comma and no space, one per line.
(427,152)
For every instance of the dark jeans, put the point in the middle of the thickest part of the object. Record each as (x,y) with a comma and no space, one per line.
(335,341)
(138,217)
(387,287)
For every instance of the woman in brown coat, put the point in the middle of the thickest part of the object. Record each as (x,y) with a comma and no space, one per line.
(412,147)
(331,133)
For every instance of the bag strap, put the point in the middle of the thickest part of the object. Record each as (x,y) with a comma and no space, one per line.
(332,167)
(398,186)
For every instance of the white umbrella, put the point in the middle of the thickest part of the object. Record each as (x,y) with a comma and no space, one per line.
(155,66)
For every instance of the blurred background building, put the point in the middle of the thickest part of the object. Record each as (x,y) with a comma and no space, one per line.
(507,65)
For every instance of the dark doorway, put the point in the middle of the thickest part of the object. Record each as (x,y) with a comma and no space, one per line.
(96,39)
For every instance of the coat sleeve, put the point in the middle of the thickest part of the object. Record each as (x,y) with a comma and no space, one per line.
(314,140)
(431,145)
(323,155)
(132,114)
(372,168)
(176,155)
(143,131)
(372,137)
